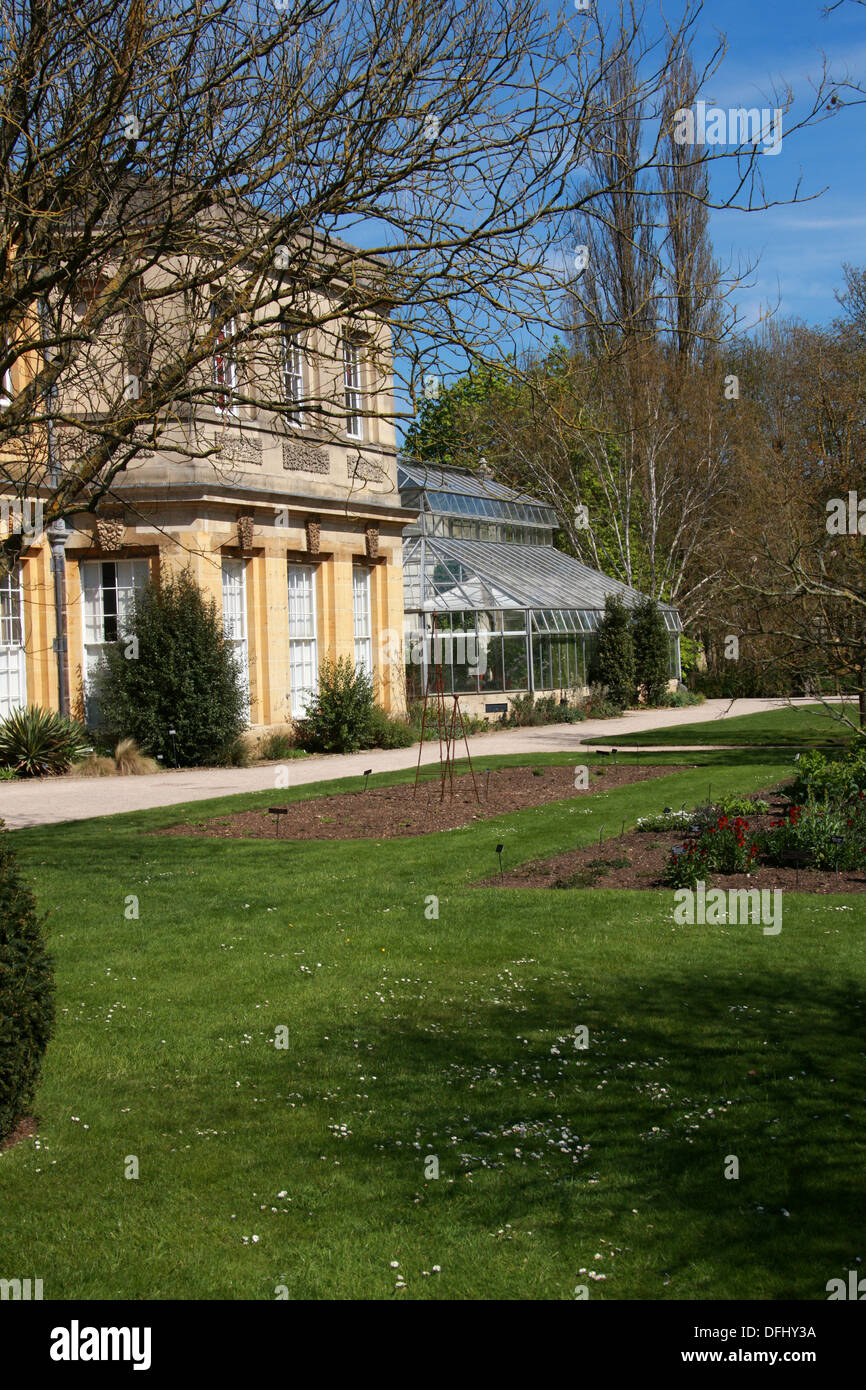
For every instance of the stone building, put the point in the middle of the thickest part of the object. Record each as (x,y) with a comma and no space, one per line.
(293,524)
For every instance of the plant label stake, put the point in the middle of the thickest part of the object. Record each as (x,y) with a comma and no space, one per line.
(837,840)
(366,775)
(276,812)
(499,849)
(601,832)
(622,828)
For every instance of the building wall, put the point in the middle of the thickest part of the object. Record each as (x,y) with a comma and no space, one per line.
(179,505)
(179,536)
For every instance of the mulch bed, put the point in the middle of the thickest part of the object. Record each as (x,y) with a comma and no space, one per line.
(392,812)
(636,861)
(25,1129)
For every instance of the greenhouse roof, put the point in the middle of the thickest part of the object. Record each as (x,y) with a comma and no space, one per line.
(459,492)
(519,576)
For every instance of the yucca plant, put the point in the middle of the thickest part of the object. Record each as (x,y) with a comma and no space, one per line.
(38,742)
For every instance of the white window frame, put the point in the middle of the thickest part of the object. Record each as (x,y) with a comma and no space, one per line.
(13,661)
(224,368)
(129,577)
(303,637)
(353,387)
(234,596)
(362,614)
(293,375)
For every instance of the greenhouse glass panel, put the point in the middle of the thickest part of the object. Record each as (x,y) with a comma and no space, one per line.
(490,662)
(515,664)
(515,620)
(489,620)
(541,662)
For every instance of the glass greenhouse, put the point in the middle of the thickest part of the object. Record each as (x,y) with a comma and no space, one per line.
(486,593)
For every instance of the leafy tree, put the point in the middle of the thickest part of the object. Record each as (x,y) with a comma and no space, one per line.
(26,993)
(651,650)
(173,670)
(613,664)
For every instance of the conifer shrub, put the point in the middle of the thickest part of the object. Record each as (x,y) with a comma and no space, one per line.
(613,663)
(179,674)
(651,651)
(26,992)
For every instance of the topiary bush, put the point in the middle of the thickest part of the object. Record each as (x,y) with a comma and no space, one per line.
(184,678)
(26,993)
(340,715)
(651,651)
(38,742)
(613,664)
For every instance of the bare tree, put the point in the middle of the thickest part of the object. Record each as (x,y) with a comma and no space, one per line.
(797,563)
(181,185)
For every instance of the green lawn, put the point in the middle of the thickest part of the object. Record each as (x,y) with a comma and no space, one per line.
(802,726)
(411,1037)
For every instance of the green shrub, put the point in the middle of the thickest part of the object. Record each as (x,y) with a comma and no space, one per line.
(26,993)
(682,698)
(237,753)
(613,662)
(472,723)
(7,774)
(274,747)
(596,704)
(387,732)
(38,742)
(522,713)
(741,806)
(738,680)
(184,678)
(812,831)
(840,778)
(340,716)
(651,651)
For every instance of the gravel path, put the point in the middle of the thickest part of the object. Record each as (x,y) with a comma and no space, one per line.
(51,800)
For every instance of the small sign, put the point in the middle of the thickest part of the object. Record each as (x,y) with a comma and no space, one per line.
(497,709)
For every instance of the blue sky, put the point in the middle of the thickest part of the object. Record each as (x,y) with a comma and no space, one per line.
(800,249)
(796,251)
